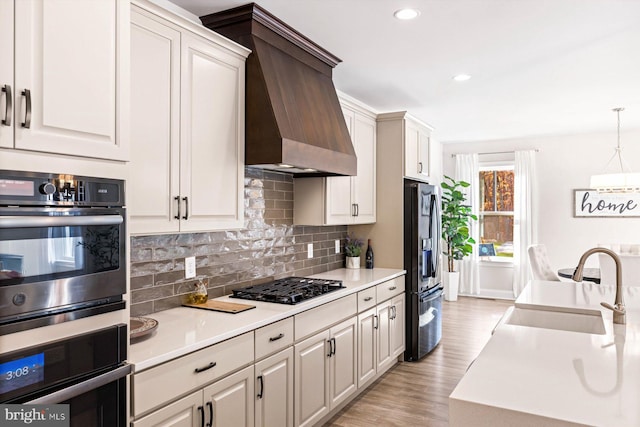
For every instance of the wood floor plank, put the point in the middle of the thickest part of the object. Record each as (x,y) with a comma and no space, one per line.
(417,393)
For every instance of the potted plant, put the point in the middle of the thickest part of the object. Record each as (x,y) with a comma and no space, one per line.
(455,231)
(352,249)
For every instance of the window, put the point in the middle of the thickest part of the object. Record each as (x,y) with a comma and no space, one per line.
(496,208)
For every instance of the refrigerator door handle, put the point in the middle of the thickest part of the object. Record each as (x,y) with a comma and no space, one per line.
(435,257)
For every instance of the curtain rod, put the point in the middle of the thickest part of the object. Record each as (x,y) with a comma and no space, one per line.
(498,152)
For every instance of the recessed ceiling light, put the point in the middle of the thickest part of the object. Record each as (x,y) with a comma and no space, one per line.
(461,77)
(405,14)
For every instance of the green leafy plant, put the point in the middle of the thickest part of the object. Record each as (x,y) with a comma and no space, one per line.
(455,221)
(353,246)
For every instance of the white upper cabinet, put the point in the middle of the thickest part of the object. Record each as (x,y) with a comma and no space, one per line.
(187,116)
(401,130)
(70,77)
(343,200)
(416,150)
(6,74)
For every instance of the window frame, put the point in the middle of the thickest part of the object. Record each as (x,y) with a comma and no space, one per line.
(494,166)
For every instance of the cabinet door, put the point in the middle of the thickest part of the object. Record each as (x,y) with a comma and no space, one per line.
(364,184)
(212,137)
(311,380)
(423,154)
(397,326)
(6,74)
(340,209)
(367,345)
(186,412)
(384,335)
(66,57)
(274,390)
(155,126)
(231,400)
(411,142)
(343,361)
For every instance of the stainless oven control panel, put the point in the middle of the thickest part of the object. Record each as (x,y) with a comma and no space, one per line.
(38,189)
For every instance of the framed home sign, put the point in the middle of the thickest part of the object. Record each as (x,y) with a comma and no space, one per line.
(591,203)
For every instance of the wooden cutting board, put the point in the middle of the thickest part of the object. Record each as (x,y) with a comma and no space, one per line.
(226,307)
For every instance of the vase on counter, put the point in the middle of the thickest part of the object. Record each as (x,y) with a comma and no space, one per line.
(352,262)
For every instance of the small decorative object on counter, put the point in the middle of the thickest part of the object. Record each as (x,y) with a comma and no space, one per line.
(368,258)
(353,249)
(200,296)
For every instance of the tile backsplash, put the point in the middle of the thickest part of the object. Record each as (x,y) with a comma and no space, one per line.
(269,246)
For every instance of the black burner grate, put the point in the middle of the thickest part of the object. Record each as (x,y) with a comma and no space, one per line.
(290,290)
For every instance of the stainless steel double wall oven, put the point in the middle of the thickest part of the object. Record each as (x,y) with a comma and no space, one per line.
(62,248)
(63,257)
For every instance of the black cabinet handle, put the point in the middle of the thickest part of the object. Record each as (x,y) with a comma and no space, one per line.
(206,368)
(201,410)
(329,353)
(375,321)
(333,346)
(368,299)
(353,209)
(357,210)
(210,406)
(280,336)
(393,312)
(261,381)
(186,207)
(392,288)
(177,199)
(419,167)
(27,115)
(9,103)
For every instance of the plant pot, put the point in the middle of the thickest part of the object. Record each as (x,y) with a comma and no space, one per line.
(451,283)
(352,262)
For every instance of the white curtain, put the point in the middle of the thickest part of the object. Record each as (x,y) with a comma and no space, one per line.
(524,227)
(467,169)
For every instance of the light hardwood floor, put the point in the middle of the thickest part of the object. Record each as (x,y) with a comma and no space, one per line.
(416,394)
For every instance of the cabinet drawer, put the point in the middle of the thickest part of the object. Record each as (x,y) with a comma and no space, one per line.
(155,386)
(366,299)
(274,337)
(316,319)
(390,289)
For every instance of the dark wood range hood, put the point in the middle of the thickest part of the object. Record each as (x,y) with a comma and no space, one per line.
(293,116)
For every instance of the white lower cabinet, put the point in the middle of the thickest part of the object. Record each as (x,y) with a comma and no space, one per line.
(367,345)
(381,338)
(295,372)
(274,390)
(228,402)
(181,413)
(325,372)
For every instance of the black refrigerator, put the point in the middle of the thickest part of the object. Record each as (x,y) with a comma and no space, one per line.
(422,230)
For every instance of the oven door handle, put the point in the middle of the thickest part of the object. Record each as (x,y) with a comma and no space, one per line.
(58,221)
(83,387)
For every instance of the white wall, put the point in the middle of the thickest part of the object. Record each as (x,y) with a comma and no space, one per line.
(565,163)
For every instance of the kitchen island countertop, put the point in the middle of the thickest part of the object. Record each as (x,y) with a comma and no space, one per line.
(529,376)
(183,330)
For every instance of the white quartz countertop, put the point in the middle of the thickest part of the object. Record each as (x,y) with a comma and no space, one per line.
(183,330)
(534,376)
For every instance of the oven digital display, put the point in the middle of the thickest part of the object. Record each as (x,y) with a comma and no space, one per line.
(22,372)
(13,187)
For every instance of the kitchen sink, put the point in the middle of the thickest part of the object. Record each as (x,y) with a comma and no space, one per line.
(586,323)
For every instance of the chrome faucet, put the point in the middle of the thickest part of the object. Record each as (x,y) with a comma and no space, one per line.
(619,311)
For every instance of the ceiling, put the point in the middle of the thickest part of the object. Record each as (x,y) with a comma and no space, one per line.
(538,67)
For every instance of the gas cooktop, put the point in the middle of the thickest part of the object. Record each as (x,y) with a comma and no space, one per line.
(290,290)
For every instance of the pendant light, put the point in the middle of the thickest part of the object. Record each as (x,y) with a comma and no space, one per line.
(623,182)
